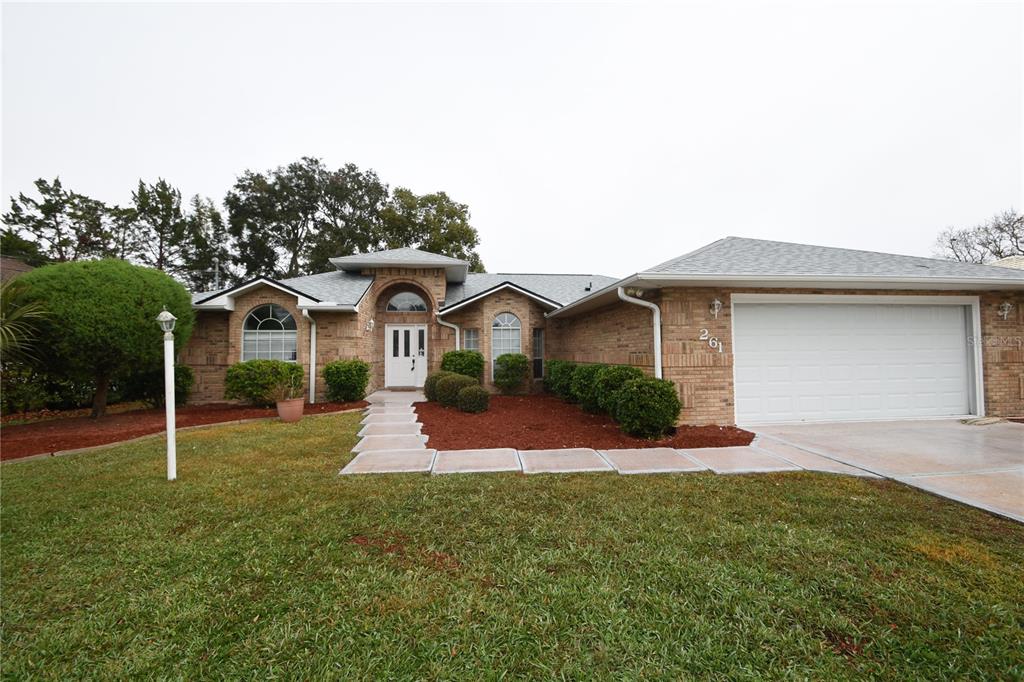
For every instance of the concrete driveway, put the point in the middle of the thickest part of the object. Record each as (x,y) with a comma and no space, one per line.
(982,466)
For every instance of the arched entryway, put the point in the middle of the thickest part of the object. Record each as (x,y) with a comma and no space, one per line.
(404,312)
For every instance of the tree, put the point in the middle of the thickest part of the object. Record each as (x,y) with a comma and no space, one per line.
(27,251)
(64,225)
(206,251)
(432,222)
(100,323)
(19,320)
(292,220)
(272,217)
(160,226)
(349,220)
(999,237)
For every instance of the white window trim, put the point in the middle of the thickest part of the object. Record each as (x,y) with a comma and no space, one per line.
(270,332)
(972,302)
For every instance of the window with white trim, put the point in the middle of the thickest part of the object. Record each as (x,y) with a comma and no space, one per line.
(505,337)
(537,353)
(269,333)
(406,302)
(471,339)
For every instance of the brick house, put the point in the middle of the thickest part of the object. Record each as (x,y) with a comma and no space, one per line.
(750,331)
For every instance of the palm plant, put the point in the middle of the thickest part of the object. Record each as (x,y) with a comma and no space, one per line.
(19,319)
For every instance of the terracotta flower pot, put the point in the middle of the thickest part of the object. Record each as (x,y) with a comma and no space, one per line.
(290,410)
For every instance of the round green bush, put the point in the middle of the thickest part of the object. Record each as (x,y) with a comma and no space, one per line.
(474,399)
(430,385)
(609,380)
(559,379)
(510,371)
(584,386)
(100,322)
(448,388)
(263,382)
(647,407)
(467,362)
(346,380)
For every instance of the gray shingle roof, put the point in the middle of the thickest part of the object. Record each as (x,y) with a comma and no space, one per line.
(347,288)
(562,289)
(742,256)
(397,256)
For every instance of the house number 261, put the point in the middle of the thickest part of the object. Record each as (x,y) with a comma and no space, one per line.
(713,341)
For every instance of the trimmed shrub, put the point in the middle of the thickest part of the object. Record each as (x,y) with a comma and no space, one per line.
(346,380)
(430,385)
(263,382)
(609,380)
(510,371)
(149,386)
(100,320)
(474,399)
(448,388)
(647,407)
(466,362)
(584,386)
(559,378)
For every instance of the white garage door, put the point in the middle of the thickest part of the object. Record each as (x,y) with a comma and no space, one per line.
(800,361)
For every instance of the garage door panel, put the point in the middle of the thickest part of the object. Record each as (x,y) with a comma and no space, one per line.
(837,361)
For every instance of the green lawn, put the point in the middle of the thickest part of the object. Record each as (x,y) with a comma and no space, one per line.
(260,562)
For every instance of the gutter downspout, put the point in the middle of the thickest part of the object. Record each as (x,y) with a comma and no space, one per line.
(312,355)
(657,326)
(450,326)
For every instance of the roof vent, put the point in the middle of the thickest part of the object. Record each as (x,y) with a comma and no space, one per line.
(590,285)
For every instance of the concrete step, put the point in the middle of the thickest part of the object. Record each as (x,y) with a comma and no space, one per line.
(408,442)
(406,461)
(389,419)
(391,430)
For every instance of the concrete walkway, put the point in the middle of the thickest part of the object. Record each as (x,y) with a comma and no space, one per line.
(391,441)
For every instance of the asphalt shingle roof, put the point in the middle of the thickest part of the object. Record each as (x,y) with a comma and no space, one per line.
(403,254)
(562,289)
(742,256)
(347,288)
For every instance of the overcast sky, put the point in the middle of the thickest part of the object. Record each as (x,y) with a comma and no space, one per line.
(585,138)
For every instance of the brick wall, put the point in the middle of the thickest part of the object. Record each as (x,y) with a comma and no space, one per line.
(480,315)
(621,334)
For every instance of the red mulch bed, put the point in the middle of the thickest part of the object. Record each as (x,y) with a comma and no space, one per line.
(54,435)
(541,422)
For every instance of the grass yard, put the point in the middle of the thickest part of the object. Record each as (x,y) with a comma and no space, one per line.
(261,562)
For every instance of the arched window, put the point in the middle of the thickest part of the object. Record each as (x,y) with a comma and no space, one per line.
(406,302)
(505,336)
(269,334)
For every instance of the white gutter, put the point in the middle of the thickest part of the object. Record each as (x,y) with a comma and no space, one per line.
(441,322)
(312,355)
(657,326)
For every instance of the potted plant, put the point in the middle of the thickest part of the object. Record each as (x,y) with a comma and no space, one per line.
(287,393)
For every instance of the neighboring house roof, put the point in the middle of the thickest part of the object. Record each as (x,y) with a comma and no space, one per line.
(455,269)
(12,267)
(738,261)
(1016,262)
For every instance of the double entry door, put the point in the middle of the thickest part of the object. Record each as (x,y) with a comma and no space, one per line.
(405,355)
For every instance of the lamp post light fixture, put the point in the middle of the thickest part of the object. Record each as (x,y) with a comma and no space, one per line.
(166,321)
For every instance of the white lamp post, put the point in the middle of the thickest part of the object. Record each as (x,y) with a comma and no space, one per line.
(166,321)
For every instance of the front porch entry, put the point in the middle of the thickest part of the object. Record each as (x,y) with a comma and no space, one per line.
(405,355)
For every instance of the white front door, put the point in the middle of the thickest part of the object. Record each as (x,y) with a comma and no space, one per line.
(405,355)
